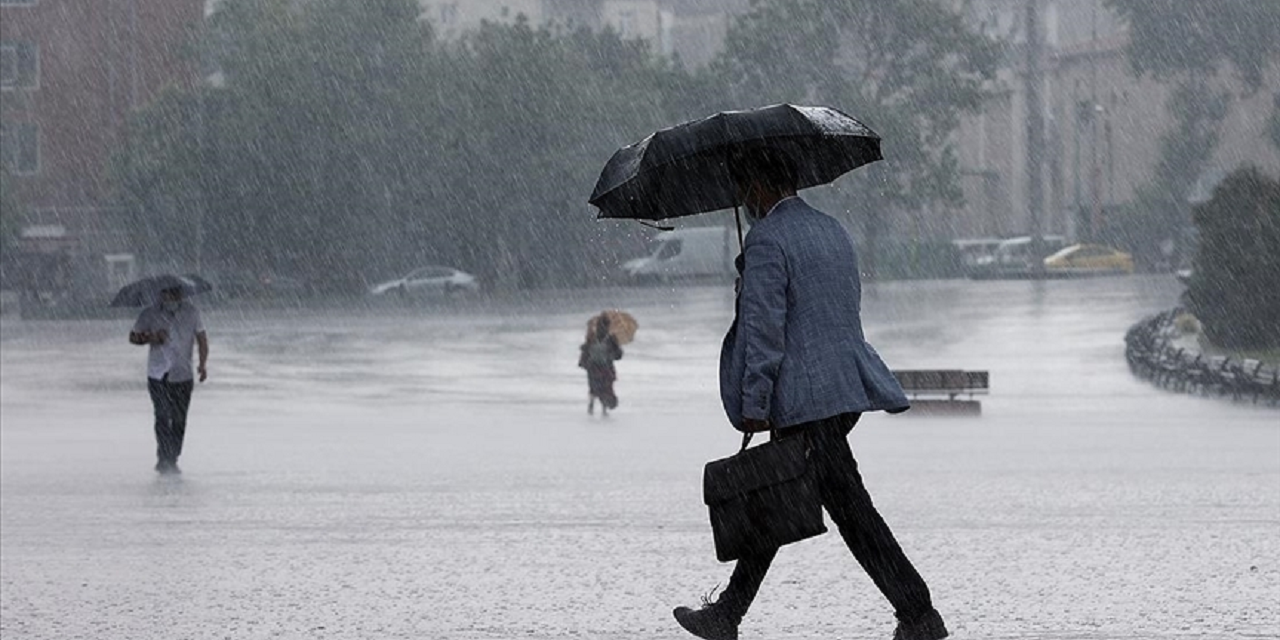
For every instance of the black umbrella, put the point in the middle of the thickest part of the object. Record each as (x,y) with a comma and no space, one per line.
(683,170)
(146,292)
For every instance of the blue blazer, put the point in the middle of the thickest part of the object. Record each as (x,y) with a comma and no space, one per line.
(796,352)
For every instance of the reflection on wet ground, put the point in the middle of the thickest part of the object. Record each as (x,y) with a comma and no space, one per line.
(430,472)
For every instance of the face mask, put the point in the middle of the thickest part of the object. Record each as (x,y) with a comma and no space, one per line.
(171,305)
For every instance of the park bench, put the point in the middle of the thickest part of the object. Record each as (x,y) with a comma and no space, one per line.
(939,390)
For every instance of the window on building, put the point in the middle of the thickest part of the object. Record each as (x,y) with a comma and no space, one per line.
(449,14)
(19,66)
(20,147)
(122,269)
(627,24)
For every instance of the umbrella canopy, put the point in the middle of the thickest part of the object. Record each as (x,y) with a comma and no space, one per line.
(684,170)
(146,292)
(621,325)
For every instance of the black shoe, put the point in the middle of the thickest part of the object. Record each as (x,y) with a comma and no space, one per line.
(710,622)
(927,627)
(167,467)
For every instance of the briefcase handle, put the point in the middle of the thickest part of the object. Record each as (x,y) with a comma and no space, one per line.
(746,438)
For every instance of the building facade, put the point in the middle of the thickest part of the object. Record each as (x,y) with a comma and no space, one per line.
(71,73)
(1102,124)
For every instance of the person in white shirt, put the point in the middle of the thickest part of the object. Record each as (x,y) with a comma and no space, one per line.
(171,328)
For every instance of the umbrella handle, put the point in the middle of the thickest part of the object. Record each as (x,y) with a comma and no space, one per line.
(738,219)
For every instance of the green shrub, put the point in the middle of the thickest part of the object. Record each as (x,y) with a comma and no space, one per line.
(1235,291)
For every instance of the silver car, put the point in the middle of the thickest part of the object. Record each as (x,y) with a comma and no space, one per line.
(426,280)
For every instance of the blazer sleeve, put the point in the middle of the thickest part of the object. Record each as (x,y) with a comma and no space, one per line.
(763,324)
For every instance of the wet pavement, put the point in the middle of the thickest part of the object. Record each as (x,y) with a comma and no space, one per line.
(430,472)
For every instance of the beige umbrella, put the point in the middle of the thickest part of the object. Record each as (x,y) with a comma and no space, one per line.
(621,325)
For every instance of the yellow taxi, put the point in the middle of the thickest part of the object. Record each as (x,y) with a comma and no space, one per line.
(1089,259)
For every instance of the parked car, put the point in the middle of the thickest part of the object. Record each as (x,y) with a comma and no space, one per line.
(1016,252)
(425,280)
(1013,258)
(977,251)
(1089,259)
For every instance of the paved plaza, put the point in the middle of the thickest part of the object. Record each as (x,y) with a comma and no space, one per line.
(430,472)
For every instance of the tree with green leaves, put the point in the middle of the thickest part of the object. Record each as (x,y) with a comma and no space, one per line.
(12,209)
(1169,39)
(1233,290)
(327,124)
(308,158)
(346,144)
(908,68)
(9,209)
(156,176)
(541,111)
(1273,125)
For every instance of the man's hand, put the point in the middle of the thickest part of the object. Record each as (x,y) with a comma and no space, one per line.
(148,337)
(756,426)
(203,371)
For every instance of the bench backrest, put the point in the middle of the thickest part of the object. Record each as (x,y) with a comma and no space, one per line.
(942,380)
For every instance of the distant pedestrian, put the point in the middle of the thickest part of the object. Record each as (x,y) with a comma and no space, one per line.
(171,327)
(598,354)
(795,363)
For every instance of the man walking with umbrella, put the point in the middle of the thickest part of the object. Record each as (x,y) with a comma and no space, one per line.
(171,327)
(796,364)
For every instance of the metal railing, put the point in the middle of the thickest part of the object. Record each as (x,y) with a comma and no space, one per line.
(1152,357)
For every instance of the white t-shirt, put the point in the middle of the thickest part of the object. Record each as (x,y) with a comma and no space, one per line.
(174,356)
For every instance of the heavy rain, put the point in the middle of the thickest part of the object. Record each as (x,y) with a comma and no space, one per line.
(434,392)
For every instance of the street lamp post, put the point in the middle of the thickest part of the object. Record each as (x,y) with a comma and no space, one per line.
(1035,135)
(1095,174)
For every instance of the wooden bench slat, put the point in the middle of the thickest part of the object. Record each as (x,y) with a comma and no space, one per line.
(947,382)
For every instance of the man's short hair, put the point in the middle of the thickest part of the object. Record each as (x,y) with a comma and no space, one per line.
(768,165)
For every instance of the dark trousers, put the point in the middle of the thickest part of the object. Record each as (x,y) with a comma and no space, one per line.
(849,505)
(170,400)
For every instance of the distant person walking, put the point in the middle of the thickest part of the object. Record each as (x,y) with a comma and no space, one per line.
(171,327)
(795,363)
(598,354)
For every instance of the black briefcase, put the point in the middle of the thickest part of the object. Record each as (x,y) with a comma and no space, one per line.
(762,498)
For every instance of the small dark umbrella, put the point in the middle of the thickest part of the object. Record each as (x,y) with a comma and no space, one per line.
(683,170)
(146,292)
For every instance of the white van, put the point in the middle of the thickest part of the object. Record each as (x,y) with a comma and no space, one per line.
(686,254)
(1016,252)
